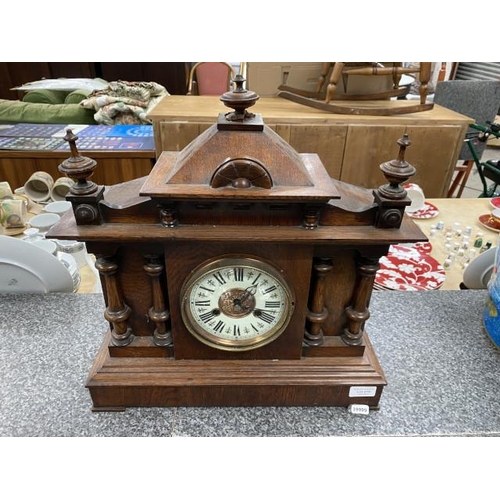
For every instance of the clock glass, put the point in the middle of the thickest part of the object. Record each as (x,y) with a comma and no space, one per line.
(236,303)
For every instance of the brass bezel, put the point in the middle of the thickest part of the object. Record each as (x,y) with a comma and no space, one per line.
(235,261)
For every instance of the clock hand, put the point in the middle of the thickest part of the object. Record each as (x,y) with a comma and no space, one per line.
(240,302)
(250,290)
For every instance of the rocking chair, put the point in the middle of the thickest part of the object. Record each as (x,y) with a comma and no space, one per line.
(322,99)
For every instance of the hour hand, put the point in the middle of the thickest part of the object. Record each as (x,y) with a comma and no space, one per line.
(245,301)
(240,303)
(249,292)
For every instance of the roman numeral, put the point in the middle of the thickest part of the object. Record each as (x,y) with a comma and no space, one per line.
(238,273)
(219,278)
(236,331)
(265,316)
(206,317)
(219,326)
(270,289)
(273,303)
(254,282)
(207,289)
(204,303)
(254,327)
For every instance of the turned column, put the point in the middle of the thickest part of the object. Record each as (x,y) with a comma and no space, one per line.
(168,216)
(357,312)
(158,313)
(117,312)
(311,216)
(338,67)
(317,313)
(325,68)
(396,76)
(424,77)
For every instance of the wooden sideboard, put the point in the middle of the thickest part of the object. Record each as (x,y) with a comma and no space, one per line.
(113,167)
(350,146)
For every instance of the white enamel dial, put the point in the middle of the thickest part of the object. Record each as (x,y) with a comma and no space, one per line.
(236,303)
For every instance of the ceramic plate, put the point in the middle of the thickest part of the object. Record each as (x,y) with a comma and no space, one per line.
(427,212)
(495,202)
(25,268)
(13,231)
(406,269)
(484,220)
(478,272)
(420,246)
(72,266)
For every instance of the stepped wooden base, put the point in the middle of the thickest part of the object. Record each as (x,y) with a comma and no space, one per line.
(119,382)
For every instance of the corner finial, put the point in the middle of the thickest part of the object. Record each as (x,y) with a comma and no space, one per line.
(79,168)
(403,142)
(397,172)
(71,139)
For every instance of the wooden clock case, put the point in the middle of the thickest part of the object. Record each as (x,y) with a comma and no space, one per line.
(237,190)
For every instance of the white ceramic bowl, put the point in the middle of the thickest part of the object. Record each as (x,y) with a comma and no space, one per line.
(43,222)
(58,207)
(417,197)
(47,245)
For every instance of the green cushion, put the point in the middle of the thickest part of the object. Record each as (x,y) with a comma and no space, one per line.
(27,112)
(45,96)
(76,96)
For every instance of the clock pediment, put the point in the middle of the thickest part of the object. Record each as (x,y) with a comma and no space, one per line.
(240,159)
(198,161)
(172,180)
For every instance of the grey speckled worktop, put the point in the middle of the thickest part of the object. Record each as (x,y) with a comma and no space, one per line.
(442,369)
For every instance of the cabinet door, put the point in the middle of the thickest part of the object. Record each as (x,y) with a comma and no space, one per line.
(366,148)
(327,141)
(175,136)
(110,170)
(433,153)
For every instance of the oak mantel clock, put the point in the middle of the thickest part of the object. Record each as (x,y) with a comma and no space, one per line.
(238,273)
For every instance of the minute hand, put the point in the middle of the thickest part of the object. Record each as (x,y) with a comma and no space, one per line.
(249,291)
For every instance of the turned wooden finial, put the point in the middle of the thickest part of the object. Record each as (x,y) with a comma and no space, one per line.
(397,172)
(79,168)
(392,197)
(239,100)
(71,139)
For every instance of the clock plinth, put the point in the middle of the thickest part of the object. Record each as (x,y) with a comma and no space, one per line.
(116,383)
(238,273)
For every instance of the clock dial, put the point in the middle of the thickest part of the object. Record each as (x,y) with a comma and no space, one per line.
(236,303)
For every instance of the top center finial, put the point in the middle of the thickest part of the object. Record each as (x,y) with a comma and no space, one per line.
(239,80)
(239,100)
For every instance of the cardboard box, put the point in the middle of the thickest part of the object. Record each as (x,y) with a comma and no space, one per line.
(265,77)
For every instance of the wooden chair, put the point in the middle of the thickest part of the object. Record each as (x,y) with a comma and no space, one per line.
(210,78)
(322,99)
(462,173)
(394,69)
